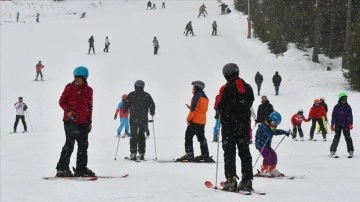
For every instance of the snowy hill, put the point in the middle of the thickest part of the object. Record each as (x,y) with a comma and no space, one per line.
(60,42)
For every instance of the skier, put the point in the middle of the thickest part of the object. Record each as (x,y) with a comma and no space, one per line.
(196,121)
(148,5)
(234,103)
(124,118)
(263,138)
(202,10)
(153,6)
(258,80)
(322,102)
(264,109)
(316,113)
(38,68)
(227,11)
(214,27)
(296,121)
(17,16)
(37,17)
(91,44)
(223,7)
(77,102)
(277,81)
(189,28)
(139,103)
(156,45)
(20,107)
(107,44)
(83,15)
(342,120)
(163,4)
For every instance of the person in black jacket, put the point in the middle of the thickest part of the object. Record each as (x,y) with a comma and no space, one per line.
(233,104)
(264,109)
(189,28)
(139,103)
(276,80)
(258,80)
(91,44)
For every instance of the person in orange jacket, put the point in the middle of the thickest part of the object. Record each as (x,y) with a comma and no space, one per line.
(196,121)
(316,113)
(296,121)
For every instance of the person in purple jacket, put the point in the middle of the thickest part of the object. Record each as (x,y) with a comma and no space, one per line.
(342,120)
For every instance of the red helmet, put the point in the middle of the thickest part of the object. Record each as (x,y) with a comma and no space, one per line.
(124,96)
(316,101)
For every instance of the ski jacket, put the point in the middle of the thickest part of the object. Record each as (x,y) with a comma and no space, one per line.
(139,103)
(317,112)
(119,110)
(155,42)
(258,79)
(342,115)
(39,66)
(264,110)
(79,101)
(198,108)
(214,25)
(188,26)
(20,108)
(276,79)
(264,136)
(297,119)
(107,42)
(91,40)
(234,102)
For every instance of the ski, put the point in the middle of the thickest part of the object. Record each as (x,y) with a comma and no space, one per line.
(17,132)
(109,177)
(137,160)
(350,157)
(222,184)
(281,177)
(72,178)
(184,161)
(210,185)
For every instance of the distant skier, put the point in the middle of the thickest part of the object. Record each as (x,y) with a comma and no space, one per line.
(264,109)
(202,10)
(258,80)
(263,138)
(189,28)
(20,107)
(107,44)
(277,81)
(296,121)
(148,5)
(223,7)
(17,16)
(124,118)
(91,44)
(37,17)
(83,15)
(163,4)
(153,6)
(156,45)
(214,28)
(342,120)
(39,67)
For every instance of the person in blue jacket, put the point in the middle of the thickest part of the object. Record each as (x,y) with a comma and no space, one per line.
(342,120)
(264,134)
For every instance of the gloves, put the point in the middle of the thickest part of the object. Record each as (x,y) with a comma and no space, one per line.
(332,128)
(115,117)
(288,133)
(350,126)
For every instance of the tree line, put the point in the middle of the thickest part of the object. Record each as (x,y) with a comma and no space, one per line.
(330,27)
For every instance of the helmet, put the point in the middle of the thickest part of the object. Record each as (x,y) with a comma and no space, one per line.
(139,84)
(300,111)
(124,96)
(230,70)
(275,118)
(198,84)
(342,94)
(316,101)
(81,71)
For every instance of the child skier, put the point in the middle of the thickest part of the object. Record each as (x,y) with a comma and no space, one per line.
(124,118)
(263,137)
(296,121)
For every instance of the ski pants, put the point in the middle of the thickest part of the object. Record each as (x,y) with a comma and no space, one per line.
(259,88)
(189,30)
(137,139)
(321,124)
(198,130)
(237,135)
(156,48)
(277,89)
(91,46)
(37,75)
(214,32)
(298,128)
(124,122)
(78,133)
(106,49)
(269,155)
(22,117)
(346,132)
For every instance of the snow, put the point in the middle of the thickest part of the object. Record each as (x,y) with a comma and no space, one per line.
(60,42)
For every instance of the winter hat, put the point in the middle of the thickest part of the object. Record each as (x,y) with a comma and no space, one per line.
(300,111)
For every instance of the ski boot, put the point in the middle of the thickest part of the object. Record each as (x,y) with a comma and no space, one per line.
(204,158)
(274,172)
(133,156)
(245,185)
(142,156)
(64,173)
(230,184)
(83,172)
(187,157)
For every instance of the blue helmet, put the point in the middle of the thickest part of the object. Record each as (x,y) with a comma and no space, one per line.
(81,71)
(275,117)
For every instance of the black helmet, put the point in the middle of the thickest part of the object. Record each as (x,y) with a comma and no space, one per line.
(230,70)
(139,84)
(198,84)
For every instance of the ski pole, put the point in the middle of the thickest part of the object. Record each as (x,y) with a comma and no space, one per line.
(27,114)
(117,147)
(281,141)
(260,154)
(217,159)
(152,121)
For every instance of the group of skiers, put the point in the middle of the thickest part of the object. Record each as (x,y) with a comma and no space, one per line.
(152,6)
(37,17)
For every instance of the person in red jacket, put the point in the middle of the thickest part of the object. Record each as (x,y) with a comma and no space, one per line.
(39,67)
(296,121)
(77,102)
(316,113)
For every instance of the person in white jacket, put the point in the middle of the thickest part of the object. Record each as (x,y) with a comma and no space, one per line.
(107,44)
(20,107)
